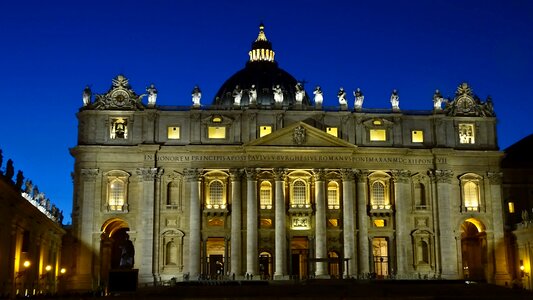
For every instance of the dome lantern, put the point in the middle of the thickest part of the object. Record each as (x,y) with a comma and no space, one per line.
(261,47)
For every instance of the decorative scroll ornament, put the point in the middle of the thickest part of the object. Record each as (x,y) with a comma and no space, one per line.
(466,103)
(299,136)
(120,96)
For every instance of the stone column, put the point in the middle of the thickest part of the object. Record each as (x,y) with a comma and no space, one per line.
(195,220)
(236,223)
(321,251)
(402,200)
(348,222)
(252,260)
(84,278)
(145,226)
(501,275)
(448,250)
(362,222)
(280,227)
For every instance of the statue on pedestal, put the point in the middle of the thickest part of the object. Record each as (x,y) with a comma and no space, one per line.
(319,97)
(278,94)
(152,95)
(300,93)
(87,95)
(359,98)
(395,100)
(252,94)
(437,101)
(237,96)
(342,98)
(196,96)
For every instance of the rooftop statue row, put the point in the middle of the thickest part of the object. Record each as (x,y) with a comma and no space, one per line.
(122,97)
(30,192)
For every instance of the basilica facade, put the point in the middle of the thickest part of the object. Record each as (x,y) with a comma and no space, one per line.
(264,182)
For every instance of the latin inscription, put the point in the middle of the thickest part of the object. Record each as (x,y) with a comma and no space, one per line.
(296,158)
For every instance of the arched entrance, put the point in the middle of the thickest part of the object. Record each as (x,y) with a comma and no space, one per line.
(474,249)
(116,249)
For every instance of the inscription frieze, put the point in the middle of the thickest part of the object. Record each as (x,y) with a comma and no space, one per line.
(187,158)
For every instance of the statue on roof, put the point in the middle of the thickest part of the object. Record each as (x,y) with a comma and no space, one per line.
(278,94)
(342,98)
(252,94)
(395,100)
(359,98)
(28,187)
(437,101)
(237,95)
(319,97)
(87,95)
(152,95)
(196,96)
(488,108)
(300,93)
(10,170)
(20,180)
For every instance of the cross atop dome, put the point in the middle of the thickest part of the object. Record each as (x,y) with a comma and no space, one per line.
(261,47)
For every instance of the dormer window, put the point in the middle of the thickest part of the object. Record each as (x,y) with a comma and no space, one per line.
(467,134)
(118,129)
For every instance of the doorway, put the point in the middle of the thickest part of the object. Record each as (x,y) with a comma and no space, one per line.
(215,264)
(299,258)
(474,249)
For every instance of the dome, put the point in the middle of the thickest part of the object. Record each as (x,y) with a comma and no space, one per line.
(262,84)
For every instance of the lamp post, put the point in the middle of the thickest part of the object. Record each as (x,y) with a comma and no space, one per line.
(524,275)
(26,264)
(45,280)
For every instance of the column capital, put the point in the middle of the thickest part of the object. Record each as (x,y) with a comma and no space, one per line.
(347,174)
(192,174)
(495,177)
(401,176)
(235,174)
(148,174)
(89,174)
(319,174)
(279,174)
(441,176)
(362,175)
(251,173)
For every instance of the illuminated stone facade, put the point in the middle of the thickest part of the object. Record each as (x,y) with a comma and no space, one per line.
(265,185)
(31,244)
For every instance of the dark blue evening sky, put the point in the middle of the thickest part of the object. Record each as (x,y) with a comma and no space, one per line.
(50,50)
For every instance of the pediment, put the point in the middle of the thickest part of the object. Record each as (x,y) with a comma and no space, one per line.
(300,134)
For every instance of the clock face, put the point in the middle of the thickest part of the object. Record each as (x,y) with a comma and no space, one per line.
(120,98)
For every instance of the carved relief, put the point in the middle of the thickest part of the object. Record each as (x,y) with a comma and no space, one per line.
(299,136)
(89,174)
(495,177)
(120,96)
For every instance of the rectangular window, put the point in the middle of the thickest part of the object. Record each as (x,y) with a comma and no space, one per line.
(379,223)
(173,133)
(216,132)
(265,130)
(467,134)
(417,136)
(334,131)
(378,135)
(511,207)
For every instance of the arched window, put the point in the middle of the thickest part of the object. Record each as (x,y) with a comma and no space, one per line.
(333,195)
(216,195)
(299,193)
(265,195)
(378,195)
(117,193)
(471,196)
